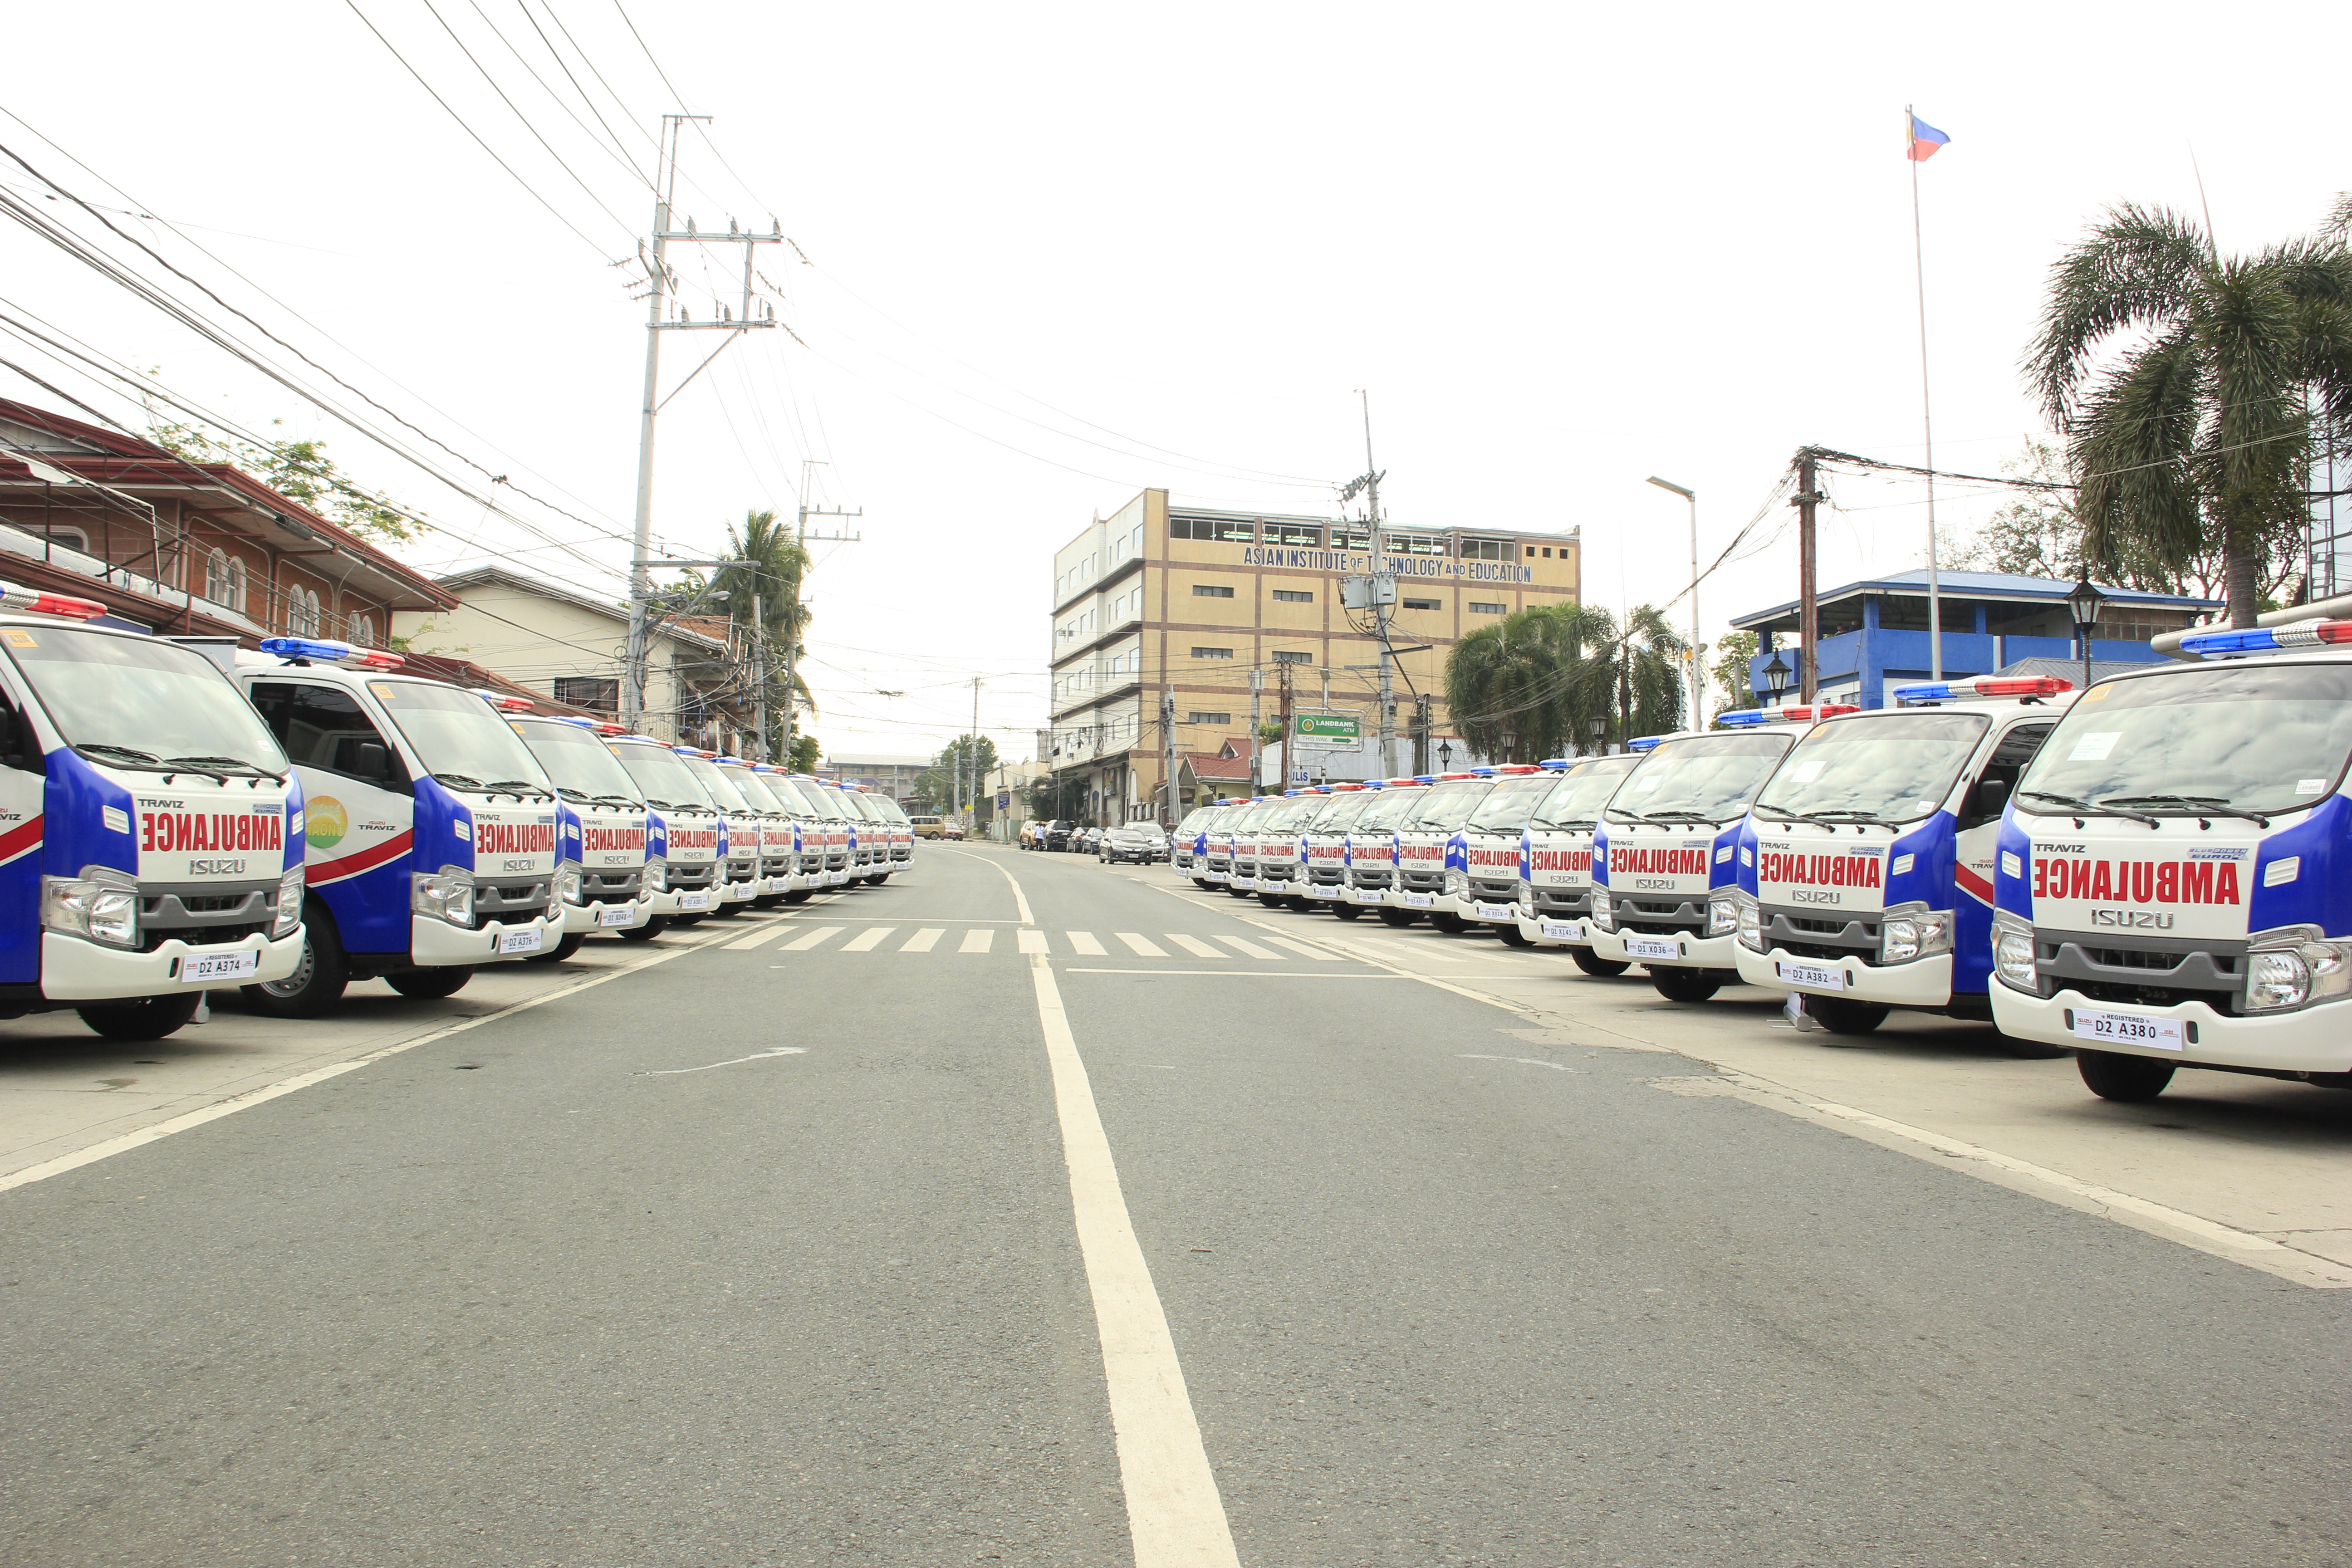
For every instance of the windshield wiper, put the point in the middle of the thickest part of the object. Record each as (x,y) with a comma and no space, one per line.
(516,788)
(1573,825)
(1836,814)
(460,781)
(1670,816)
(2198,805)
(2085,807)
(616,799)
(93,750)
(237,763)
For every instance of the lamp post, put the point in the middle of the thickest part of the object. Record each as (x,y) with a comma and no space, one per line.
(2082,601)
(1444,755)
(1776,677)
(1698,719)
(1599,729)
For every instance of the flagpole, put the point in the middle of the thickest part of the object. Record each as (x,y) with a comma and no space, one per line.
(1926,411)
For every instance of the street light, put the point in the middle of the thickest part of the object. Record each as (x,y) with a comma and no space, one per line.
(1444,755)
(1776,677)
(2083,602)
(1698,719)
(1599,729)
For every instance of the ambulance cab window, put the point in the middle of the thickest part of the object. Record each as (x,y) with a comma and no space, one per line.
(2008,761)
(322,727)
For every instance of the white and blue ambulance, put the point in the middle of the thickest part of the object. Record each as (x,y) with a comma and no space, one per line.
(151,829)
(2173,885)
(775,823)
(805,872)
(430,830)
(1323,848)
(1373,879)
(1556,857)
(739,832)
(602,881)
(1281,847)
(682,833)
(1865,871)
(1664,855)
(1485,867)
(1426,850)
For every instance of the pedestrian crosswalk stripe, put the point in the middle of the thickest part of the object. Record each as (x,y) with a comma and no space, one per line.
(1194,945)
(1317,954)
(1031,941)
(867,940)
(1142,947)
(1249,949)
(758,938)
(924,940)
(812,939)
(1084,944)
(977,939)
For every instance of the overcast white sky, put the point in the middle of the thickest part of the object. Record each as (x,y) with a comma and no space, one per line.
(1051,246)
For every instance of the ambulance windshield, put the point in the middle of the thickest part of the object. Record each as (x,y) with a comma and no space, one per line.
(1897,767)
(1507,810)
(661,774)
(1394,806)
(1340,812)
(1576,800)
(581,765)
(2223,739)
(1706,778)
(144,704)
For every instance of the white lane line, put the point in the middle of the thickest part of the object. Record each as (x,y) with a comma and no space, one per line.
(1521,1061)
(1249,973)
(867,940)
(1249,949)
(924,940)
(141,1137)
(1020,900)
(1194,945)
(758,938)
(1031,941)
(977,941)
(803,944)
(1317,954)
(1174,1516)
(1084,944)
(1141,946)
(732,1061)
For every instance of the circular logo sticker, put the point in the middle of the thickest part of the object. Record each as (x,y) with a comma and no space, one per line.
(326,823)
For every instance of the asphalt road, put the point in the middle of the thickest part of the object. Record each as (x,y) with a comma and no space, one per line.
(770,1254)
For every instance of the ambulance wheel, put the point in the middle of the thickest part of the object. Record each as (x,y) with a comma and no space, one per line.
(767,900)
(1274,900)
(1591,962)
(1302,903)
(318,977)
(1684,984)
(799,895)
(2111,1075)
(1202,883)
(142,1019)
(655,925)
(431,985)
(1348,912)
(1450,923)
(726,910)
(561,949)
(878,880)
(1396,916)
(693,920)
(1840,1016)
(1241,892)
(1512,937)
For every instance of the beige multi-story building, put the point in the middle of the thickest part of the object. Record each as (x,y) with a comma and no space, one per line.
(1162,609)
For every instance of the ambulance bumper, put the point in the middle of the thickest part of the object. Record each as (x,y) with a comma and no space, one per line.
(434,944)
(1691,952)
(607,914)
(73,970)
(1923,982)
(1573,931)
(2315,1040)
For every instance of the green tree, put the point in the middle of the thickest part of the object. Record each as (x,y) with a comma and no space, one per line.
(1532,685)
(2189,387)
(938,783)
(805,755)
(759,591)
(1735,688)
(301,472)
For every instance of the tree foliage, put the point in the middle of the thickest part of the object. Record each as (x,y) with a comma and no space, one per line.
(300,470)
(938,783)
(1531,685)
(1734,684)
(2191,387)
(805,753)
(757,591)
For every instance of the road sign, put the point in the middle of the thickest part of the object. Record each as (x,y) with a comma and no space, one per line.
(1332,727)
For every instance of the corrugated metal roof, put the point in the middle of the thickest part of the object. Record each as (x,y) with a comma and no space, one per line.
(2010,586)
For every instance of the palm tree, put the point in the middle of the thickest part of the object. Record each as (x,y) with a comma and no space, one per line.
(1532,685)
(760,590)
(2214,373)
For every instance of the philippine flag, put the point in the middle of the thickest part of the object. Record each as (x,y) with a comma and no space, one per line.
(1925,139)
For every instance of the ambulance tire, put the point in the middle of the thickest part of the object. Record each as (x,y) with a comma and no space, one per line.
(1242,892)
(1348,912)
(1449,923)
(561,949)
(1592,964)
(1512,937)
(141,1018)
(318,977)
(725,909)
(1274,900)
(1684,984)
(799,895)
(877,881)
(655,925)
(1202,883)
(693,920)
(2129,1080)
(1390,915)
(1840,1016)
(767,900)
(431,985)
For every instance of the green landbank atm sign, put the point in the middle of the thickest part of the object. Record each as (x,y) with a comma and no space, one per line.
(1333,727)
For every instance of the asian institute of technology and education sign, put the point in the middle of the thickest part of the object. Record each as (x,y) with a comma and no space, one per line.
(1359,563)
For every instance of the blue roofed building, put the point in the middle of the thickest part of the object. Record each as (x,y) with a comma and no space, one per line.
(1875,633)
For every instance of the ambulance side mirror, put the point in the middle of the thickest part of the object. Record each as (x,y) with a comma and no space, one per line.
(1991,796)
(372,761)
(16,749)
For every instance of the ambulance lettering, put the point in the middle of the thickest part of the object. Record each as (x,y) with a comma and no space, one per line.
(514,837)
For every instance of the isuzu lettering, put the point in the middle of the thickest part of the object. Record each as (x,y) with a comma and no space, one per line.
(430,831)
(1324,846)
(151,828)
(1865,872)
(2173,885)
(1556,857)
(1373,880)
(601,879)
(1424,848)
(1664,855)
(1482,881)
(682,826)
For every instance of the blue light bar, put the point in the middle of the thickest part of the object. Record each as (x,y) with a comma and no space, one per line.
(1424,778)
(1557,762)
(1289,794)
(2265,639)
(1483,772)
(1644,743)
(1376,783)
(1742,717)
(1930,691)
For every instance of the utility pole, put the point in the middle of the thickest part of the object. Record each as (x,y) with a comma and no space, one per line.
(662,286)
(1808,611)
(1257,689)
(1380,601)
(971,754)
(1167,744)
(1421,722)
(1288,767)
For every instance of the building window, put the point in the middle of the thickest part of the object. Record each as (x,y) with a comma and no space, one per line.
(1415,543)
(1221,528)
(1292,657)
(1350,538)
(1425,604)
(216,578)
(302,613)
(1303,533)
(1485,550)
(1213,653)
(1294,597)
(1531,552)
(1199,718)
(1548,552)
(597,693)
(361,629)
(1211,591)
(1481,607)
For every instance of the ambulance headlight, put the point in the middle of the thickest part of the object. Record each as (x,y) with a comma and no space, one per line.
(1457,882)
(1722,914)
(2295,967)
(289,904)
(1911,933)
(1751,924)
(1603,915)
(2012,953)
(656,876)
(567,885)
(447,894)
(101,904)
(1526,892)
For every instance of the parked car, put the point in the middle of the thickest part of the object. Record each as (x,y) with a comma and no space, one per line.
(1086,841)
(954,830)
(1141,842)
(1056,835)
(927,827)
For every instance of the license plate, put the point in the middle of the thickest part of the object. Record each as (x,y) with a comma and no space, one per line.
(1322,893)
(1368,895)
(220,965)
(1562,931)
(1419,901)
(1820,977)
(1242,883)
(1212,876)
(1498,911)
(2129,1029)
(1651,947)
(694,900)
(522,941)
(611,917)
(836,875)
